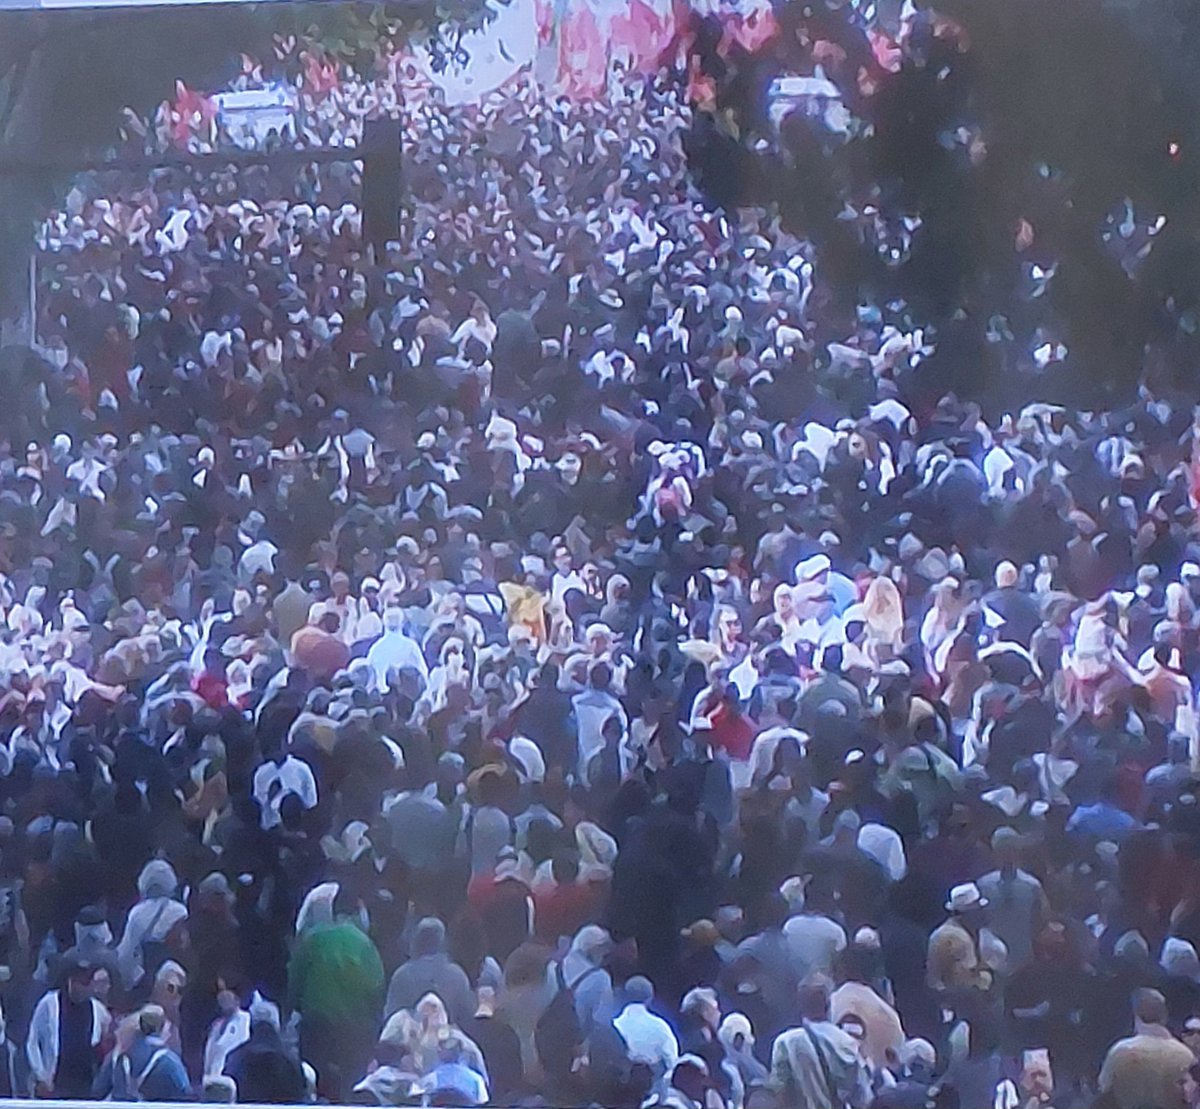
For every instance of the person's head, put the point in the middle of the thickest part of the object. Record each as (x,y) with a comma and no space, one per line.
(736,1033)
(229,999)
(449,1048)
(264,1013)
(729,624)
(429,938)
(1191,1034)
(329,623)
(967,904)
(564,867)
(958,822)
(1052,944)
(599,639)
(1006,575)
(593,943)
(690,1077)
(450,771)
(170,980)
(813,997)
(152,1019)
(918,1058)
(219,1090)
(1178,959)
(701,1004)
(157,879)
(639,990)
(101,985)
(1006,847)
(1149,1008)
(79,981)
(1178,751)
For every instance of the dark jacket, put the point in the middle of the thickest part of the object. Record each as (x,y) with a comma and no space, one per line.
(265,1071)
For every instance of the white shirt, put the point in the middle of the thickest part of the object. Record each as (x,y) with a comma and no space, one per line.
(648,1038)
(395,651)
(293,776)
(561,584)
(814,942)
(885,847)
(224,1035)
(87,473)
(259,558)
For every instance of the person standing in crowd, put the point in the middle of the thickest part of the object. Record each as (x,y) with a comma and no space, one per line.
(336,984)
(67,1035)
(649,1039)
(263,1069)
(816,1063)
(1149,1067)
(146,1068)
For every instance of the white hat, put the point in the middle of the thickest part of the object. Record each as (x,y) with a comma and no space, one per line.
(529,755)
(966,897)
(918,1051)
(792,891)
(1189,570)
(812,567)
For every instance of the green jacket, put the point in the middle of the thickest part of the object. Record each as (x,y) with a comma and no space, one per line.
(335,972)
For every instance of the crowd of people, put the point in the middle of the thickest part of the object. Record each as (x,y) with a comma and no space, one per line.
(555,661)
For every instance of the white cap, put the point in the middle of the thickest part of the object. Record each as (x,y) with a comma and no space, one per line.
(964,897)
(812,567)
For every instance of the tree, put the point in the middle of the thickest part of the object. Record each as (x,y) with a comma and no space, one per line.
(66,76)
(1014,131)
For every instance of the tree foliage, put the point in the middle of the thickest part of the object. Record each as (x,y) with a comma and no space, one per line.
(1075,110)
(66,76)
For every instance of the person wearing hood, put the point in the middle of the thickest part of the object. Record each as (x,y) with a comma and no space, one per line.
(1181,984)
(264,1069)
(142,949)
(94,943)
(336,984)
(584,973)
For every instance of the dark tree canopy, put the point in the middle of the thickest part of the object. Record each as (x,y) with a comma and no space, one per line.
(1017,132)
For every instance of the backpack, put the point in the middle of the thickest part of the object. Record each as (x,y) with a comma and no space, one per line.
(133,1081)
(558,1034)
(154,952)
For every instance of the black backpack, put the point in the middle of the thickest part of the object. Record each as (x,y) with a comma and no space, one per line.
(558,1034)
